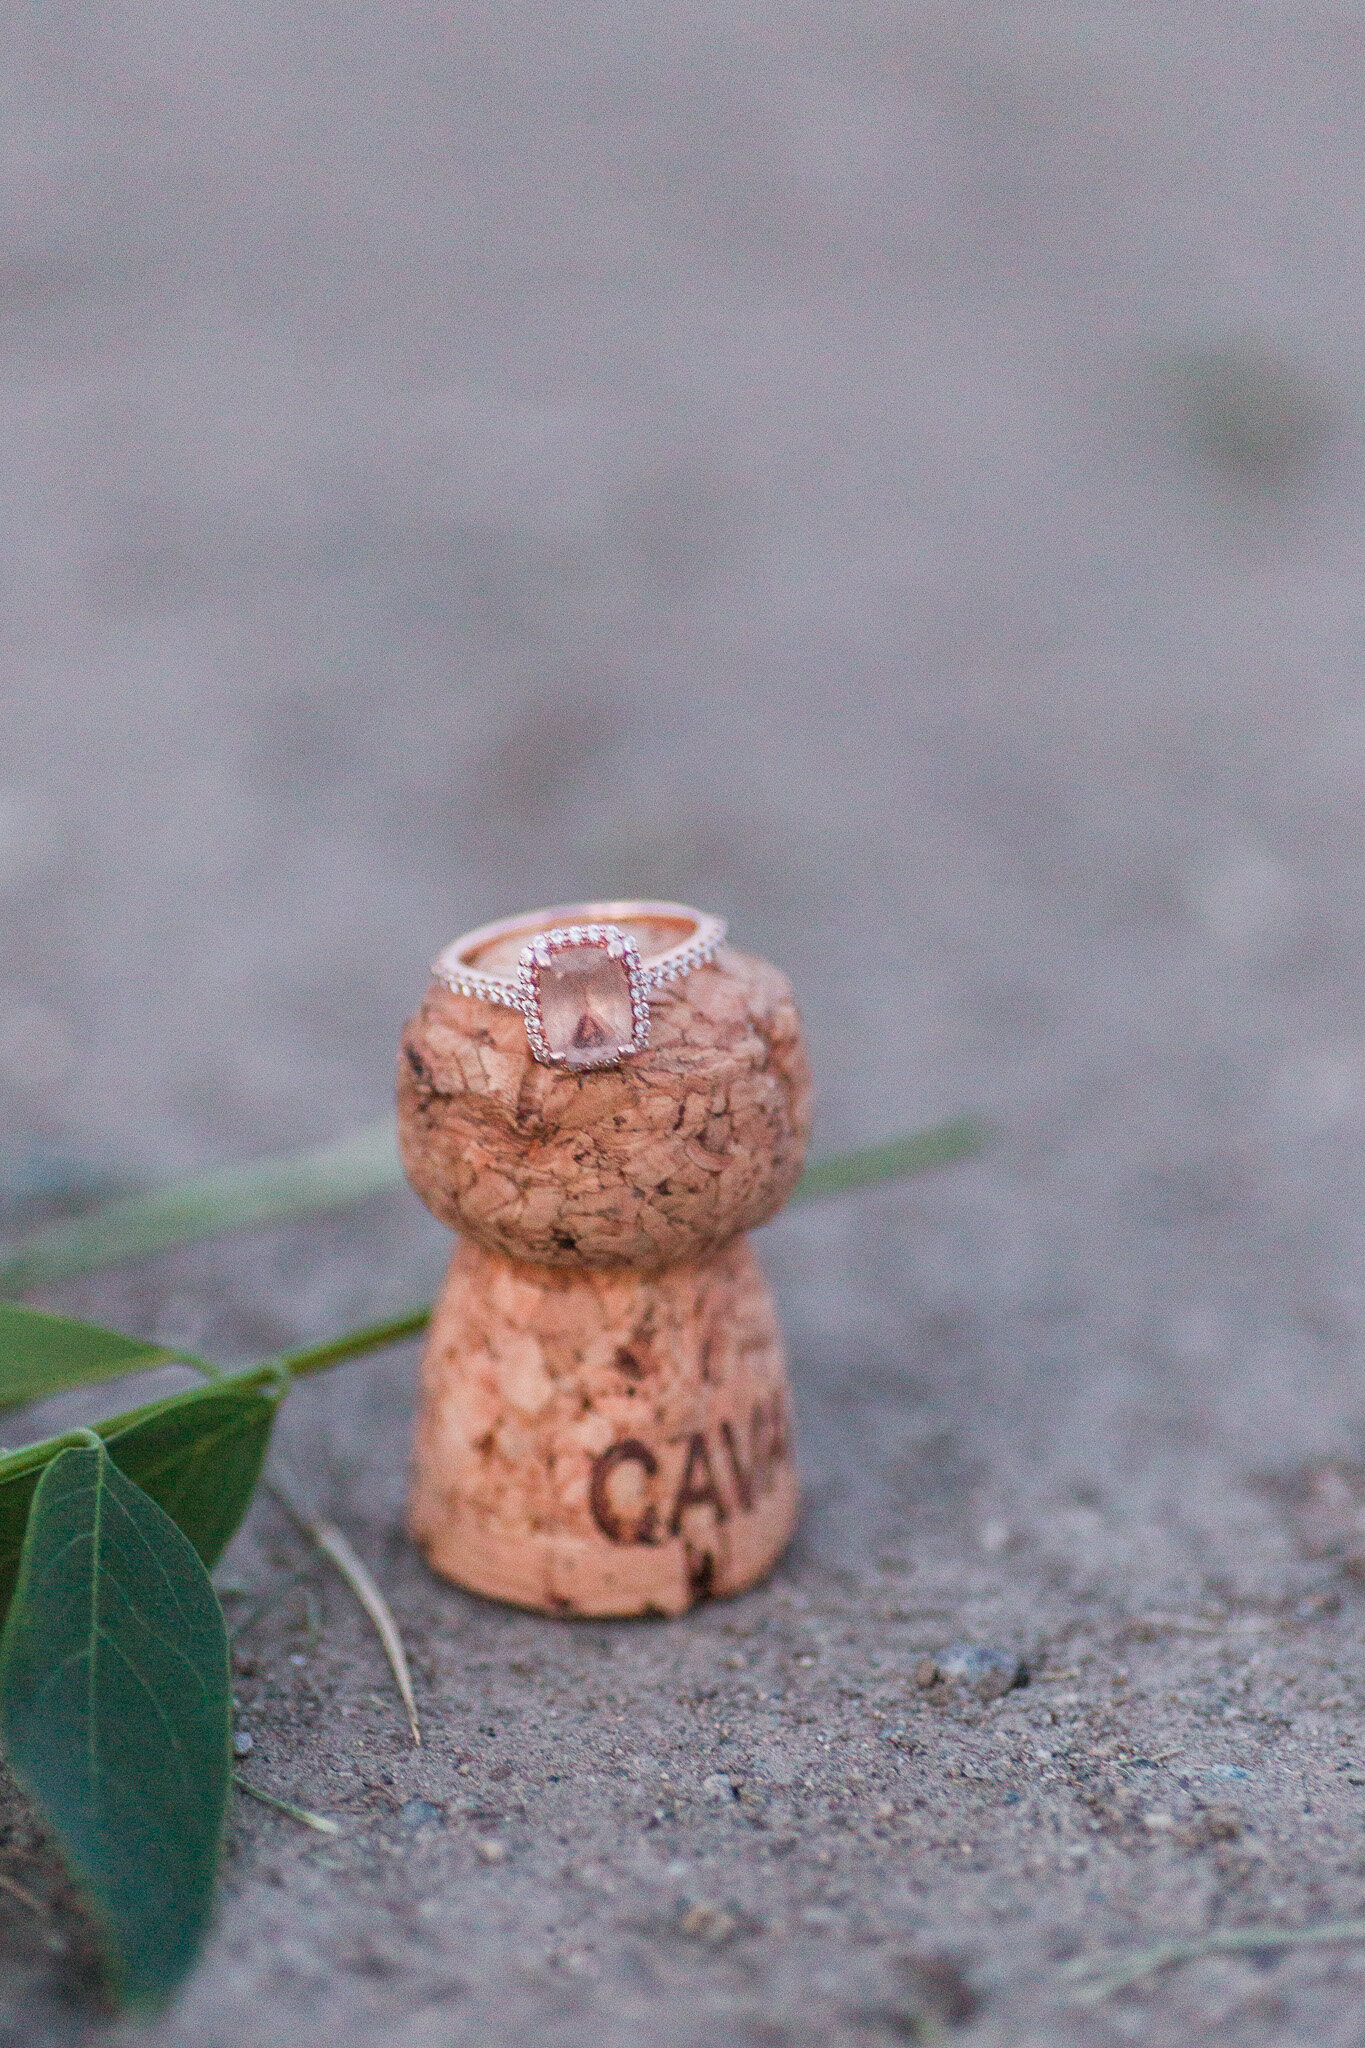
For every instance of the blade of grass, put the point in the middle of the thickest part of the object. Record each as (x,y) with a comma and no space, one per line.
(334,1546)
(317,1821)
(255,1191)
(962,1137)
(1099,1977)
(261,1191)
(25,1898)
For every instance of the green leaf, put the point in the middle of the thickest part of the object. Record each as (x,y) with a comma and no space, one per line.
(197,1454)
(116,1713)
(42,1354)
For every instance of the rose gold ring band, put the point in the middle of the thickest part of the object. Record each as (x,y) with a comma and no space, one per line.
(581,973)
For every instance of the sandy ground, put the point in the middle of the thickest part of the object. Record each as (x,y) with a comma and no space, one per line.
(894,474)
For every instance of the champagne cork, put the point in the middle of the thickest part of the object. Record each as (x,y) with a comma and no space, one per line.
(605,1424)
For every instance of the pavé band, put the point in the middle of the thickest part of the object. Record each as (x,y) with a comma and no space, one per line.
(579,974)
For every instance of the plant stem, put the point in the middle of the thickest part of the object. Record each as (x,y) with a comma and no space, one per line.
(962,1138)
(374,1337)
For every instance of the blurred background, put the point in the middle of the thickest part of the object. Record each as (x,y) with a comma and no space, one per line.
(889,473)
(893,474)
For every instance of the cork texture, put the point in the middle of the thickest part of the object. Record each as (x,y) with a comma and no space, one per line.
(604,1442)
(658,1161)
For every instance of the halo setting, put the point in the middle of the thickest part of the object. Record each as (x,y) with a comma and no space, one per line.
(584,996)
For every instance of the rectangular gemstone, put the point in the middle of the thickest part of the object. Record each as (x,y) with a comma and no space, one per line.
(585,1006)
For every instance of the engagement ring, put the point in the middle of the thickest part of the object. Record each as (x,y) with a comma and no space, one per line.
(581,974)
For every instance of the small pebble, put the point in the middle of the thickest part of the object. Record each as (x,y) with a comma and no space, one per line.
(1219,1824)
(704,1921)
(718,1786)
(940,1982)
(242,1743)
(981,1669)
(490,1852)
(819,1917)
(418,1813)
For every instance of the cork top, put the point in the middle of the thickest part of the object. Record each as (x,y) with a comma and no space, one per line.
(659,1160)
